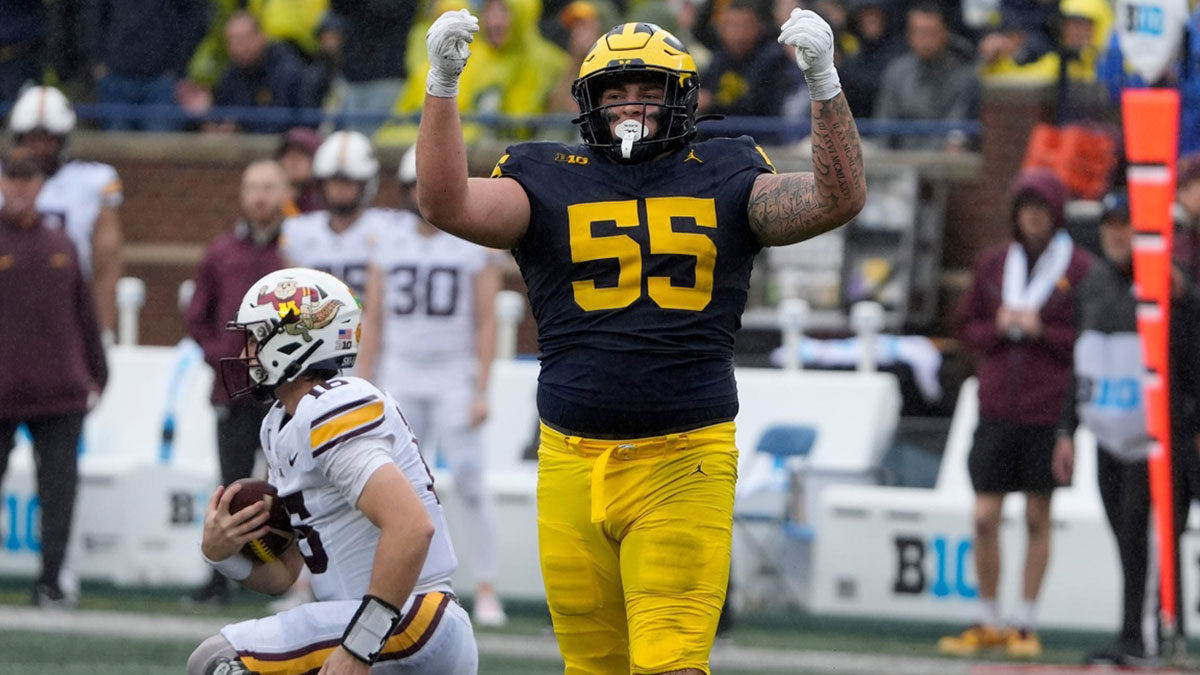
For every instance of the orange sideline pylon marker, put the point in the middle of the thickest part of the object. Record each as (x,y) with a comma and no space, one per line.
(1151,119)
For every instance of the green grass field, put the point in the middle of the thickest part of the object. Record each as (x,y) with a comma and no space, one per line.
(524,646)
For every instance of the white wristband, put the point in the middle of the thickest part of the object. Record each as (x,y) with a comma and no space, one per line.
(236,567)
(370,628)
(441,85)
(823,85)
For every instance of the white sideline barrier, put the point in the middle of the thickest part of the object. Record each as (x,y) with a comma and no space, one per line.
(905,553)
(138,515)
(847,449)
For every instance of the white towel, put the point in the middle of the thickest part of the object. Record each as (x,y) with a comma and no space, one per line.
(1022,290)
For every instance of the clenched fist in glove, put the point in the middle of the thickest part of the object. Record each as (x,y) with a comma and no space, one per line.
(446,42)
(813,39)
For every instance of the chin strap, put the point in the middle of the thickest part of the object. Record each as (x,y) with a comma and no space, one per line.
(296,366)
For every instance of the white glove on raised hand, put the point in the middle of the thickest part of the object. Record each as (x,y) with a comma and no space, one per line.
(813,39)
(446,42)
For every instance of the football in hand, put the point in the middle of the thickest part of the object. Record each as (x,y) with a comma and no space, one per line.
(269,546)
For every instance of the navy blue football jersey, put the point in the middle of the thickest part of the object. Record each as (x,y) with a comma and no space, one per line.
(637,276)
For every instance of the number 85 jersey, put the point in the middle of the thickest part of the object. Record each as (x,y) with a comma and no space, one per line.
(320,460)
(638,273)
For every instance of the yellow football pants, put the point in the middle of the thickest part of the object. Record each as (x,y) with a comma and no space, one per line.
(634,537)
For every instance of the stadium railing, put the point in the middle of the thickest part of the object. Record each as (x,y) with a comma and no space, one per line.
(780,128)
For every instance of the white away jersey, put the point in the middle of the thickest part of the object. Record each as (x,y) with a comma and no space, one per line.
(309,241)
(71,199)
(428,295)
(320,459)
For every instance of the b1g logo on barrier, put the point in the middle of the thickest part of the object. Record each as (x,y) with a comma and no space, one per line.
(20,518)
(944,576)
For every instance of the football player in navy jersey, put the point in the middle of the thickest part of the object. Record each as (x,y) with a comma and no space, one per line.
(636,247)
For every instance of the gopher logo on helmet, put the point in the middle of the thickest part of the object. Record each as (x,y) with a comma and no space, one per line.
(299,307)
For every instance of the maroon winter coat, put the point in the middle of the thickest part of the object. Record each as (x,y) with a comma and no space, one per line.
(1021,381)
(231,265)
(51,357)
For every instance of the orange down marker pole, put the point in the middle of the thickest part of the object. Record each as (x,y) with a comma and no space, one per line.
(1151,118)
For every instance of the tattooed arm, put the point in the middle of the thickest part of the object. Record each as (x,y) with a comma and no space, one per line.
(792,207)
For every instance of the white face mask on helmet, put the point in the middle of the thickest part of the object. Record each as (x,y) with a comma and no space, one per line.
(349,155)
(296,320)
(44,108)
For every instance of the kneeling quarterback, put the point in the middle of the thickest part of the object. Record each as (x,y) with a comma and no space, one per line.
(360,500)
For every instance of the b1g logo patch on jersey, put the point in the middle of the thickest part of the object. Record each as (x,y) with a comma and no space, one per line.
(570,159)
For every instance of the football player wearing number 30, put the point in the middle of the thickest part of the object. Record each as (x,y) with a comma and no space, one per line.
(368,523)
(636,247)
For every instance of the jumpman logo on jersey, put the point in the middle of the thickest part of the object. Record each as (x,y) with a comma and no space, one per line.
(692,156)
(699,470)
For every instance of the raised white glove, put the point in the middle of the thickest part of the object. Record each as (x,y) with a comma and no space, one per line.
(813,39)
(446,42)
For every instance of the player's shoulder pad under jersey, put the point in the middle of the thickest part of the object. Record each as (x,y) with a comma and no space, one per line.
(733,153)
(96,176)
(378,215)
(339,410)
(519,159)
(301,229)
(400,227)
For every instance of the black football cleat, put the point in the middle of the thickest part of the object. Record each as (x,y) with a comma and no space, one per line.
(224,666)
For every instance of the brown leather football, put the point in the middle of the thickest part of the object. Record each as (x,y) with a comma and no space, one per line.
(269,546)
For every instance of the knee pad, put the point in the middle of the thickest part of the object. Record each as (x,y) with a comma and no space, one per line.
(215,656)
(567,571)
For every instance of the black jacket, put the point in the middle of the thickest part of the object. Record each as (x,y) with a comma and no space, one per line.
(376,37)
(145,38)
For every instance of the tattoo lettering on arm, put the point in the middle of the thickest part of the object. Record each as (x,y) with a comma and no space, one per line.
(792,207)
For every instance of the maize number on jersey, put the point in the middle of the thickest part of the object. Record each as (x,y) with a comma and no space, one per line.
(660,211)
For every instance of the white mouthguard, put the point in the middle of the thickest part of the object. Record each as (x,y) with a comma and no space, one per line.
(630,131)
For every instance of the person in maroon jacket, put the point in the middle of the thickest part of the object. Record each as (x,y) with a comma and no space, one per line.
(233,262)
(52,364)
(1019,320)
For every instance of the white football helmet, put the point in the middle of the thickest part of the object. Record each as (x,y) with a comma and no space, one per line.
(296,321)
(349,155)
(44,108)
(407,173)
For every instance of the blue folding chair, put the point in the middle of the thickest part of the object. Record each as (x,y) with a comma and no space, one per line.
(782,443)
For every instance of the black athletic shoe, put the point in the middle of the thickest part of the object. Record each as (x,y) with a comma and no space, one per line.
(50,596)
(1120,655)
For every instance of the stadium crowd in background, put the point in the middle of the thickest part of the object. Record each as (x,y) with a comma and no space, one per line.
(363,59)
